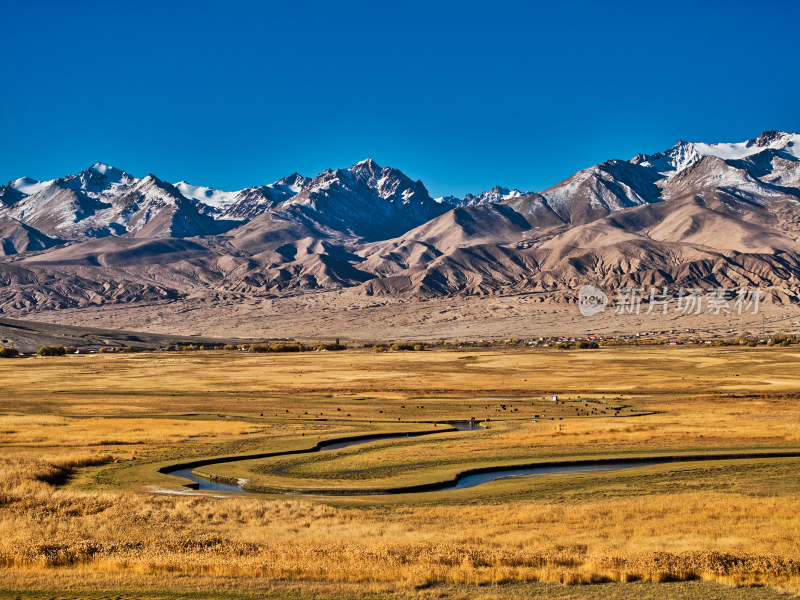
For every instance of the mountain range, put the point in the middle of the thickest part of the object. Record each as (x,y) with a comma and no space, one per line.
(695,215)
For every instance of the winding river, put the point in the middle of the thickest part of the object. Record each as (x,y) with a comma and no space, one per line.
(185,470)
(465,479)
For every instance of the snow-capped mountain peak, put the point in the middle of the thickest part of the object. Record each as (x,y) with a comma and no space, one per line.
(388,183)
(99,180)
(367,163)
(685,154)
(364,200)
(493,196)
(294,183)
(753,168)
(773,140)
(367,171)
(109,172)
(681,156)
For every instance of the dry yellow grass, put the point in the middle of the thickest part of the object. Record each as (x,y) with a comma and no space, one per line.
(715,536)
(734,523)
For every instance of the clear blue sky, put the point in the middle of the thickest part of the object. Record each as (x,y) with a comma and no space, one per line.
(463,95)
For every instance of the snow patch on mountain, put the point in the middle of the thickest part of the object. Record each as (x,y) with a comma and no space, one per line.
(29,186)
(214,198)
(774,140)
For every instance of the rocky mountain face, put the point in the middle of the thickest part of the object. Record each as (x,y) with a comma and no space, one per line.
(364,201)
(694,215)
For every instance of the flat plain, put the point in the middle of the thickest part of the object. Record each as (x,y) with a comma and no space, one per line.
(353,316)
(84,512)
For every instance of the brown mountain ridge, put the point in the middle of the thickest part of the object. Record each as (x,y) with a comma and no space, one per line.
(696,215)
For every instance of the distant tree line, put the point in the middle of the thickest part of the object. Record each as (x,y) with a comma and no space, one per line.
(261,348)
(781,340)
(281,347)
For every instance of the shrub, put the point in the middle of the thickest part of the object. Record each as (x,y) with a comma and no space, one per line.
(229,347)
(782,340)
(8,352)
(287,348)
(402,347)
(419,347)
(70,349)
(52,351)
(584,345)
(380,348)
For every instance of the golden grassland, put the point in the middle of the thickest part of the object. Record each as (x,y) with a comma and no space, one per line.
(82,508)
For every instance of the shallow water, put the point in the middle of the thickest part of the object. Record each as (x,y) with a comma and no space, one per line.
(205,484)
(469,481)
